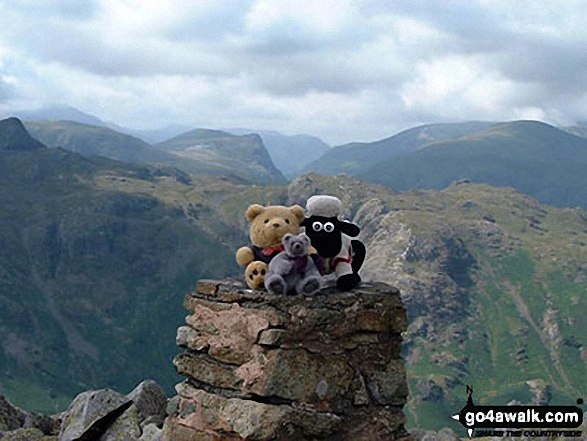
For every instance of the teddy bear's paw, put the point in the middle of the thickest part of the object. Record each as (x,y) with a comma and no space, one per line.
(276,285)
(255,275)
(310,286)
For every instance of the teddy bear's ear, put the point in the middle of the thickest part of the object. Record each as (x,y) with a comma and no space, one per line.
(298,212)
(253,211)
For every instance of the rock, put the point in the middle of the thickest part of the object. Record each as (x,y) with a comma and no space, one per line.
(151,433)
(204,412)
(261,366)
(429,390)
(299,376)
(91,413)
(229,331)
(445,434)
(11,417)
(49,425)
(28,434)
(150,401)
(125,427)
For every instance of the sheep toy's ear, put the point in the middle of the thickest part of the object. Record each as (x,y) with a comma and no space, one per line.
(349,229)
(253,211)
(305,222)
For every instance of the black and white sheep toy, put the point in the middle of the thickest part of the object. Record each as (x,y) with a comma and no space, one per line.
(332,239)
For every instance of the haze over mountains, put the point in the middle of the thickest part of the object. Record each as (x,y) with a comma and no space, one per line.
(289,153)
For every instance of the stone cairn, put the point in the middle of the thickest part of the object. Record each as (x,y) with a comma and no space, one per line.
(290,368)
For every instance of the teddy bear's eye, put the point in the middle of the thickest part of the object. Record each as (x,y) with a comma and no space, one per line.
(287,221)
(316,226)
(266,220)
(329,227)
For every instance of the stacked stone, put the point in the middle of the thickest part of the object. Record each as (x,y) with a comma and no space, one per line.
(263,367)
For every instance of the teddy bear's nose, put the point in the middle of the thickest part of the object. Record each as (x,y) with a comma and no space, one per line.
(276,225)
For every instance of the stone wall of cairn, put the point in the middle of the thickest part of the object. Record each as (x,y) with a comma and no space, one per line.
(263,367)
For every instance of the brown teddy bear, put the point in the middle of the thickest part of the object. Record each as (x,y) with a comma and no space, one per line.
(268,226)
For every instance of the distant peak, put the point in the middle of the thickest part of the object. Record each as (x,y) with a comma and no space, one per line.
(14,136)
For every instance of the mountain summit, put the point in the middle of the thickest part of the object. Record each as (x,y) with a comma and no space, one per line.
(13,136)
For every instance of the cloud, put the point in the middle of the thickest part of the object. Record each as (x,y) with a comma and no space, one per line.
(345,70)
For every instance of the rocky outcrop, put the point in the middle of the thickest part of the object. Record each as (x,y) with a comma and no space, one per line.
(262,367)
(14,137)
(100,415)
(17,424)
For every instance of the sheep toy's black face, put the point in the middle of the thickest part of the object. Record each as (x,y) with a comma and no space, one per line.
(324,234)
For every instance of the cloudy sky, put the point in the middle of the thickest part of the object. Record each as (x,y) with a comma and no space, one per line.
(341,69)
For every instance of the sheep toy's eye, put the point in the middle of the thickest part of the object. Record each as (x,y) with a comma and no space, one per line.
(329,227)
(316,226)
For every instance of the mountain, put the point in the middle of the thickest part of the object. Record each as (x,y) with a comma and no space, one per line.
(495,285)
(357,157)
(14,137)
(224,153)
(532,157)
(90,140)
(290,153)
(577,130)
(95,255)
(153,136)
(93,270)
(102,141)
(58,113)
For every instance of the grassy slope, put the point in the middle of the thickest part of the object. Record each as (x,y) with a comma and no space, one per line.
(240,156)
(223,153)
(532,157)
(92,278)
(521,318)
(357,157)
(540,262)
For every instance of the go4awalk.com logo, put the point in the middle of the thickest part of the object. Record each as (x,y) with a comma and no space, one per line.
(512,421)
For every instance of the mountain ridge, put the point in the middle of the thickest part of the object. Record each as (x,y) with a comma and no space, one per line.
(354,157)
(533,157)
(14,137)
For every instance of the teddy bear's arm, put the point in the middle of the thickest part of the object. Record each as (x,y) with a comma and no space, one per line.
(244,256)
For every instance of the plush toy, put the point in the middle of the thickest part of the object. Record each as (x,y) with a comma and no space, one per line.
(332,239)
(268,226)
(293,270)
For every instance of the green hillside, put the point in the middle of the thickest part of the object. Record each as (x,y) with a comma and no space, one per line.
(223,153)
(92,278)
(244,158)
(96,256)
(357,157)
(91,140)
(495,285)
(532,157)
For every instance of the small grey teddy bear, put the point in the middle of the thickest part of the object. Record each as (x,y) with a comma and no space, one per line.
(293,270)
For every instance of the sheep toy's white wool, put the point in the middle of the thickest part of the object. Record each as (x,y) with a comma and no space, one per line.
(324,205)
